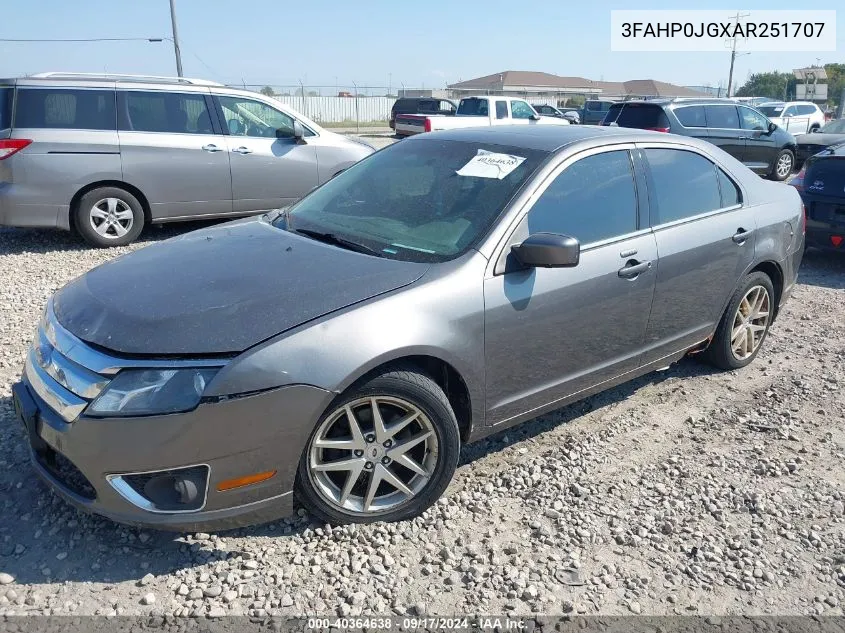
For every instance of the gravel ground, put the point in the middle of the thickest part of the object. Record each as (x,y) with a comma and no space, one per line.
(684,492)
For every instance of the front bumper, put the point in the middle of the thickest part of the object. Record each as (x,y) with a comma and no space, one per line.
(234,438)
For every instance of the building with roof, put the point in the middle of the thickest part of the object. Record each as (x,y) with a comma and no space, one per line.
(544,85)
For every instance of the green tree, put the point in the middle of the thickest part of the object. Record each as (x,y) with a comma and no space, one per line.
(775,85)
(268,91)
(835,82)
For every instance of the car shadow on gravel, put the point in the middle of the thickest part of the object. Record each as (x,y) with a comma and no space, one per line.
(823,268)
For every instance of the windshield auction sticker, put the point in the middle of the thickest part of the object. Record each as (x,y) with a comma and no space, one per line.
(715,31)
(490,165)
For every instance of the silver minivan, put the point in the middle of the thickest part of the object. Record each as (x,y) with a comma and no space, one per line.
(107,154)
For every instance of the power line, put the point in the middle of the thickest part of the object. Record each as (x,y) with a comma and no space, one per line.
(87,39)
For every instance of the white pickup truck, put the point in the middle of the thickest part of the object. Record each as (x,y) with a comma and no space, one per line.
(476,112)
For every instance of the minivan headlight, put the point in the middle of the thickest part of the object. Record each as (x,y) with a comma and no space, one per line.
(152,392)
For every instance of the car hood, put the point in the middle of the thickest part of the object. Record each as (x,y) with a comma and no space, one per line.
(220,290)
(820,139)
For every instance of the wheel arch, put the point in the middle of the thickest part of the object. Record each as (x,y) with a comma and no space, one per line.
(774,272)
(119,184)
(441,372)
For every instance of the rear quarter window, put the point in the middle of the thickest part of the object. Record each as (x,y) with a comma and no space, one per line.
(66,109)
(6,107)
(691,116)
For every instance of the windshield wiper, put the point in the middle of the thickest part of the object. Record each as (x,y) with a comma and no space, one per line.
(331,238)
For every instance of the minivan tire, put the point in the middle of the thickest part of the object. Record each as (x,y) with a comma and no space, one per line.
(779,172)
(400,386)
(115,209)
(720,352)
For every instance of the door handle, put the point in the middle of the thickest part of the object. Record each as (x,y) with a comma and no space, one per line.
(633,269)
(242,150)
(211,148)
(741,236)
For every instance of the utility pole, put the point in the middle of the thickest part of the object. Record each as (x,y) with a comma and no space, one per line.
(176,40)
(733,41)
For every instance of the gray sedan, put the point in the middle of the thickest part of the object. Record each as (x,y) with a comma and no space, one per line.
(441,290)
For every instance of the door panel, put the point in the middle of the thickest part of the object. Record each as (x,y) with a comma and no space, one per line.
(269,167)
(553,332)
(170,152)
(760,146)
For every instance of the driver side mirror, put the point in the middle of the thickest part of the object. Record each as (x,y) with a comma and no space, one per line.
(298,132)
(772,127)
(535,117)
(548,250)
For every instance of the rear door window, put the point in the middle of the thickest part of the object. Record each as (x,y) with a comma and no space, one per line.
(6,107)
(685,184)
(172,112)
(691,116)
(723,117)
(65,109)
(501,110)
(643,116)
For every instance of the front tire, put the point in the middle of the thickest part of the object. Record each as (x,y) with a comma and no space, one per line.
(384,451)
(744,325)
(784,164)
(109,216)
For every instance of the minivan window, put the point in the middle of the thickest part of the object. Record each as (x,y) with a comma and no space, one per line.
(65,109)
(685,184)
(173,112)
(501,109)
(691,116)
(753,120)
(246,117)
(5,108)
(722,116)
(593,199)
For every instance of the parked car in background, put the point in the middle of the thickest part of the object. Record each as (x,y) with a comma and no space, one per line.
(475,112)
(420,105)
(796,117)
(107,154)
(741,131)
(570,114)
(446,288)
(594,111)
(821,183)
(831,133)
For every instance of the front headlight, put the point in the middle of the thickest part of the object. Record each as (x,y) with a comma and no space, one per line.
(152,392)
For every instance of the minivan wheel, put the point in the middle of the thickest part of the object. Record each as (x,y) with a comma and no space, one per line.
(384,451)
(109,216)
(784,163)
(744,325)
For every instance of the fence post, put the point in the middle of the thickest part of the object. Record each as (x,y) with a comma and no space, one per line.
(357,114)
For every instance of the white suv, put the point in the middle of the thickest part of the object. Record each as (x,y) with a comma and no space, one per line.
(797,117)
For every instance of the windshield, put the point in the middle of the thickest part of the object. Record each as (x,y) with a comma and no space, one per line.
(423,200)
(5,108)
(771,110)
(834,127)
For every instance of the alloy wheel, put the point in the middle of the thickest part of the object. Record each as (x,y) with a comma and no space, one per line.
(750,322)
(111,218)
(373,454)
(784,166)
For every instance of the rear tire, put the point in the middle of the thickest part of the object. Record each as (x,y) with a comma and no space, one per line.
(109,216)
(388,484)
(744,325)
(784,164)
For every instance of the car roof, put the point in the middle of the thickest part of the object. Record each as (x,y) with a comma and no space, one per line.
(547,138)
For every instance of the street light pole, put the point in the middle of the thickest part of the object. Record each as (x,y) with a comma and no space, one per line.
(176,40)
